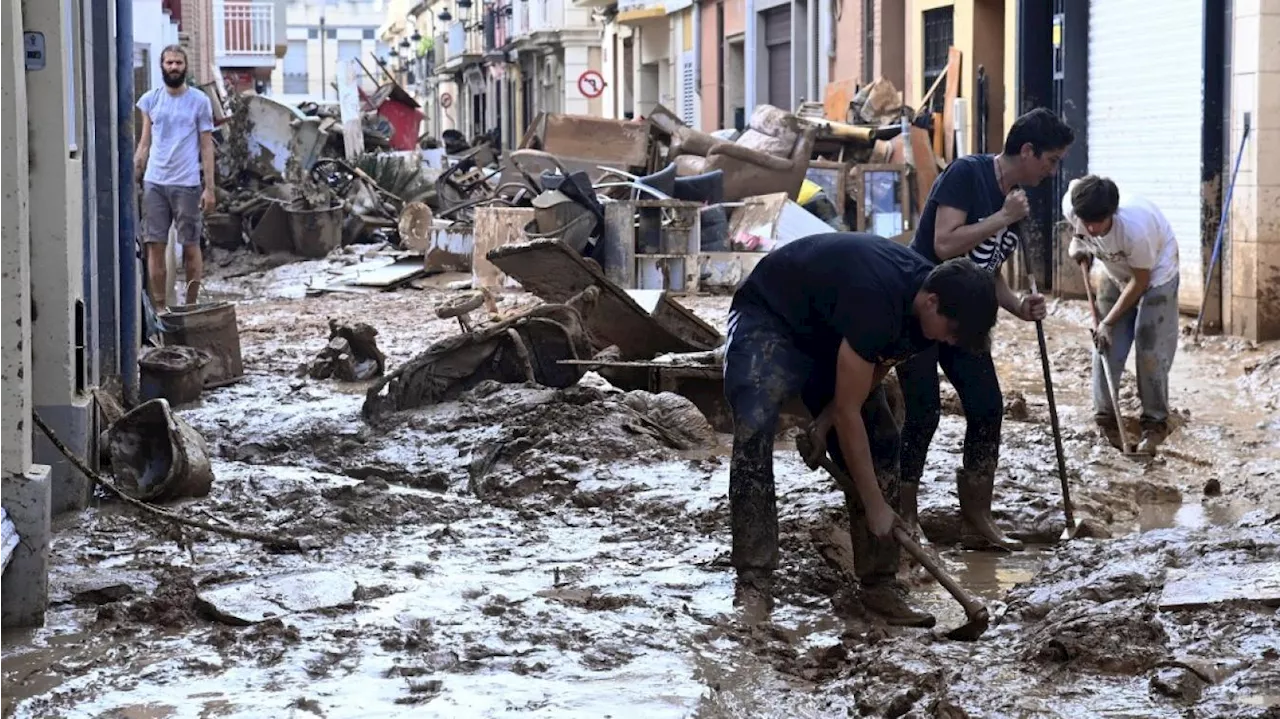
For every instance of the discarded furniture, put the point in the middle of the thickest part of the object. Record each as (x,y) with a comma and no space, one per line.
(652,244)
(401,110)
(525,348)
(883,199)
(156,455)
(767,222)
(211,327)
(495,227)
(585,143)
(771,155)
(172,372)
(833,178)
(352,354)
(551,270)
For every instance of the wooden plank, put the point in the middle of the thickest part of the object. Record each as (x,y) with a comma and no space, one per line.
(925,163)
(949,101)
(1206,586)
(758,216)
(495,227)
(838,95)
(551,270)
(609,142)
(392,275)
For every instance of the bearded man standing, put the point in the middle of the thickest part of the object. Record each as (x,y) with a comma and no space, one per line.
(176,145)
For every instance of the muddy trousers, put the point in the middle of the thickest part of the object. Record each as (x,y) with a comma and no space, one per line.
(763,370)
(974,377)
(1151,330)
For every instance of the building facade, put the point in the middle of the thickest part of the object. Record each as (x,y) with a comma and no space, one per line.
(320,34)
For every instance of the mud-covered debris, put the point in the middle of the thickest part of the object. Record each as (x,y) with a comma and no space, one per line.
(352,354)
(157,455)
(1015,406)
(257,600)
(680,417)
(524,348)
(1178,683)
(1213,487)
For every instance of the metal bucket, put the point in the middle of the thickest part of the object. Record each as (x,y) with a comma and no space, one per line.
(315,233)
(210,327)
(225,230)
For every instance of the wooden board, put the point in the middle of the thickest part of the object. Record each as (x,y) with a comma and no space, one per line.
(616,143)
(948,107)
(392,275)
(551,270)
(835,104)
(1202,587)
(495,227)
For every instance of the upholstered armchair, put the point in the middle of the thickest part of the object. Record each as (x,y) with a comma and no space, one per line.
(771,154)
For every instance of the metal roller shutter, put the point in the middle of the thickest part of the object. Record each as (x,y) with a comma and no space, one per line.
(777,41)
(1146,106)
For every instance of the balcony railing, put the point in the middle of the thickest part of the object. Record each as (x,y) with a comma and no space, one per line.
(248,28)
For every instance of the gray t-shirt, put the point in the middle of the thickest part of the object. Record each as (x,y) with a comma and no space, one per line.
(176,124)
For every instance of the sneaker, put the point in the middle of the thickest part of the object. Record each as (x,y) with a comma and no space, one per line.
(889,600)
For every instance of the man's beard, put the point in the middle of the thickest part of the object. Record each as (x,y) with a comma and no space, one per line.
(174,79)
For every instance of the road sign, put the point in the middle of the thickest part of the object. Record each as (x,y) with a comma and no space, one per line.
(446,100)
(591,84)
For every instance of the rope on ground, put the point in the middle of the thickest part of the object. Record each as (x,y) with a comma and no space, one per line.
(270,540)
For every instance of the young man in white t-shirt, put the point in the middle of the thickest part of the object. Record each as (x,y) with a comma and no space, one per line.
(1138,297)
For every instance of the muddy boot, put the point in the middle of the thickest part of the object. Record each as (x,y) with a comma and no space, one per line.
(977,529)
(1153,435)
(1108,428)
(753,593)
(888,598)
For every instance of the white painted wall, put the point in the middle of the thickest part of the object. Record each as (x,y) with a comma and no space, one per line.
(153,28)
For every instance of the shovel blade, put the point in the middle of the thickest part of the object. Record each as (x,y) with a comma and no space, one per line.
(971,631)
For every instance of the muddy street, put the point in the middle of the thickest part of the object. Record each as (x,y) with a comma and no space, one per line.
(528,551)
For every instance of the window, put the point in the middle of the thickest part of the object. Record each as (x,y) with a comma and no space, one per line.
(313,33)
(368,33)
(331,33)
(939,34)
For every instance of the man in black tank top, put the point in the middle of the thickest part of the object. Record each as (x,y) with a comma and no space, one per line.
(973,211)
(824,318)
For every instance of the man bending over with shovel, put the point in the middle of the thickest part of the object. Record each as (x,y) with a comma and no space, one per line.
(824,318)
(1138,299)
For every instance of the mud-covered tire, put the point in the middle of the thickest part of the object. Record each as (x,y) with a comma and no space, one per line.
(460,306)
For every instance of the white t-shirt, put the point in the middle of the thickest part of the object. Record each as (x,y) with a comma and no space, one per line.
(1140,237)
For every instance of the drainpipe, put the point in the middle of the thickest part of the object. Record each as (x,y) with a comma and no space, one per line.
(128,251)
(697,49)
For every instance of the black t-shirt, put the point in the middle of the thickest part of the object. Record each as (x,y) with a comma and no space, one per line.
(969,183)
(842,286)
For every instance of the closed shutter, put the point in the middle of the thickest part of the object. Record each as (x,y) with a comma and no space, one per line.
(1146,107)
(777,42)
(688,104)
(295,68)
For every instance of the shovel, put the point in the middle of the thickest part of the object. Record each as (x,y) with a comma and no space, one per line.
(1073,524)
(979,618)
(1127,449)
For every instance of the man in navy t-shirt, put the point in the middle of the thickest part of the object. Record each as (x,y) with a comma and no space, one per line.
(973,211)
(824,318)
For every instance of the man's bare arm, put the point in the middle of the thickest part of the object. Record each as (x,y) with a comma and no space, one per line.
(854,381)
(1130,295)
(143,151)
(206,159)
(953,238)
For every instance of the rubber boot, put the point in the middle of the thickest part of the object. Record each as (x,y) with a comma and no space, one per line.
(888,598)
(1108,428)
(1153,435)
(753,593)
(977,529)
(909,509)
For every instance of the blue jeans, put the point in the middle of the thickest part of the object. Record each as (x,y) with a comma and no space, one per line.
(1151,329)
(763,370)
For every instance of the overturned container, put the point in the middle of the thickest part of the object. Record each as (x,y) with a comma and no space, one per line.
(172,372)
(156,455)
(315,232)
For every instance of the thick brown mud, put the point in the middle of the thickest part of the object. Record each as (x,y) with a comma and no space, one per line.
(524,551)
